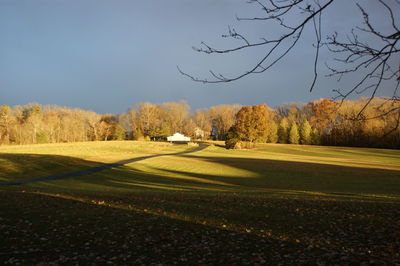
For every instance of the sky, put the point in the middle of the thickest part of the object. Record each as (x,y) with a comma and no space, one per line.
(108,55)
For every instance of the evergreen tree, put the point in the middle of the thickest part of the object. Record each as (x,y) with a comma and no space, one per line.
(315,138)
(294,136)
(119,132)
(232,138)
(305,132)
(273,133)
(283,131)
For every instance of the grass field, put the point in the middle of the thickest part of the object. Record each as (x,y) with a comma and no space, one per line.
(276,204)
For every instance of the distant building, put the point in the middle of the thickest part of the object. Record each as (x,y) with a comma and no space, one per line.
(198,133)
(178,137)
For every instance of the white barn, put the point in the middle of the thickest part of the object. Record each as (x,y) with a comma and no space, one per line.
(178,137)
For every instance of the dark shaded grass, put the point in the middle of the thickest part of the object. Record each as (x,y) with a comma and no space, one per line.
(47,229)
(25,166)
(79,232)
(278,174)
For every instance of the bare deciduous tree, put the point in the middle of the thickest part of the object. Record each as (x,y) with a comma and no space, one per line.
(369,52)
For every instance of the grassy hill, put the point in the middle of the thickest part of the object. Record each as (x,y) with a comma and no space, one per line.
(274,204)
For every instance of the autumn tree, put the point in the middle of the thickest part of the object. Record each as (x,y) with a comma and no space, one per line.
(251,125)
(244,127)
(51,125)
(324,112)
(92,120)
(189,128)
(133,124)
(125,122)
(18,131)
(74,126)
(34,123)
(377,131)
(175,115)
(203,122)
(105,127)
(5,118)
(222,118)
(294,112)
(148,117)
(31,120)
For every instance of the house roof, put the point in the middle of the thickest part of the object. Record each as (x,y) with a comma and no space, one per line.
(178,137)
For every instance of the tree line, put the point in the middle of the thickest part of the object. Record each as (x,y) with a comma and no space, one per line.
(320,122)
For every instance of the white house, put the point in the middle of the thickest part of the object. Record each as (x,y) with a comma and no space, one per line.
(178,137)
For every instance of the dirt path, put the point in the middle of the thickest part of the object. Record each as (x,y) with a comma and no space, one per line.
(98,168)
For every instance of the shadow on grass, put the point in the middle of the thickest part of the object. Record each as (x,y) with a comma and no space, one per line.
(45,165)
(291,175)
(42,229)
(17,167)
(158,216)
(62,229)
(264,174)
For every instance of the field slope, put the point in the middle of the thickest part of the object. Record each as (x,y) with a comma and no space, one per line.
(276,204)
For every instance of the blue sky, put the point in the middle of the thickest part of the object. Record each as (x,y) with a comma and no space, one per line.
(108,55)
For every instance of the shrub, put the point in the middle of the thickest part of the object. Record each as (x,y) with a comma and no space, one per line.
(192,144)
(137,135)
(232,143)
(42,138)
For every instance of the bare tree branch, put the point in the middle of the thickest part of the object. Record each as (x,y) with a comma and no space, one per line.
(375,63)
(275,12)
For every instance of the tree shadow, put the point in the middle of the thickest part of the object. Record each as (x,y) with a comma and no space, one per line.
(25,166)
(262,174)
(262,211)
(304,176)
(43,229)
(60,229)
(12,163)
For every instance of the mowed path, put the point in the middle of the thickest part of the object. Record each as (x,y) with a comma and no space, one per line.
(98,168)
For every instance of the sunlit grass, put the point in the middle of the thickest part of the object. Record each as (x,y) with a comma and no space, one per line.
(345,156)
(269,166)
(31,161)
(99,151)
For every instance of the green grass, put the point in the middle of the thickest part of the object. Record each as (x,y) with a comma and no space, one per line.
(29,161)
(314,204)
